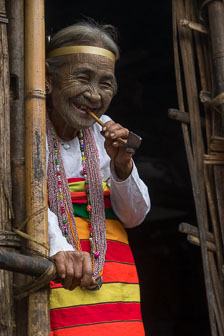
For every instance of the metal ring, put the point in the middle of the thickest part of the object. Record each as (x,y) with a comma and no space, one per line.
(99,283)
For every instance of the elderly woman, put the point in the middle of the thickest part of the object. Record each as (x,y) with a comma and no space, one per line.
(94,190)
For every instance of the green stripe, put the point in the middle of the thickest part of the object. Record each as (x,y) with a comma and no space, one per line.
(80,211)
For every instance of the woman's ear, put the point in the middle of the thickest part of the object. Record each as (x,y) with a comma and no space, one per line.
(47,68)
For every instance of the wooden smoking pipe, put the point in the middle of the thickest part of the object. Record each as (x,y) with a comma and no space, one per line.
(132,142)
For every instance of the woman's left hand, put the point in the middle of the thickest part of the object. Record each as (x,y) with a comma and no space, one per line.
(121,159)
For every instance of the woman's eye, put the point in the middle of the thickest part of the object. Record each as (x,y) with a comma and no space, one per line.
(82,78)
(106,85)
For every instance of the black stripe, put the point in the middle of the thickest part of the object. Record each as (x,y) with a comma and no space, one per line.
(112,240)
(89,324)
(119,262)
(106,283)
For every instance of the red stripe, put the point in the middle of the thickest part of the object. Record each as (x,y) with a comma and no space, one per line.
(130,328)
(80,197)
(116,272)
(67,317)
(82,194)
(115,251)
(78,179)
(119,252)
(83,199)
(107,203)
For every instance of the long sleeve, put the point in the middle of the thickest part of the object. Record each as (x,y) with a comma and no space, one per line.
(129,198)
(57,241)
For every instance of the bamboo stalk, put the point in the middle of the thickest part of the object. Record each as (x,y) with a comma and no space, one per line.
(218,291)
(193,231)
(6,311)
(202,63)
(214,220)
(194,26)
(195,241)
(180,89)
(179,115)
(36,191)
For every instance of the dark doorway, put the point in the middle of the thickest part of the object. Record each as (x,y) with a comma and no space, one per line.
(170,270)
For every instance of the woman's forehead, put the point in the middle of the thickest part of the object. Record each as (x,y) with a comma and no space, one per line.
(78,61)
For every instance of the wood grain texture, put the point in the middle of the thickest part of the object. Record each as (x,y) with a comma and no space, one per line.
(6,311)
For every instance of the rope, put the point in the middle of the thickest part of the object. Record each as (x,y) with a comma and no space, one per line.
(37,283)
(48,275)
(27,236)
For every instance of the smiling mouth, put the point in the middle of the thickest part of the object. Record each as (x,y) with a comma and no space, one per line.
(83,108)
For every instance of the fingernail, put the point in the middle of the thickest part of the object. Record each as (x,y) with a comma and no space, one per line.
(104,128)
(83,288)
(112,135)
(107,134)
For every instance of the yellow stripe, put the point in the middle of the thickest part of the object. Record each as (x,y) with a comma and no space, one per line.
(115,230)
(80,186)
(61,298)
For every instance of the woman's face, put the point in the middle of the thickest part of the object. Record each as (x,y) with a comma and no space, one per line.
(86,82)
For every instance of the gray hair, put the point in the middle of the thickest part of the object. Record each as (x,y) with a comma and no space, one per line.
(82,33)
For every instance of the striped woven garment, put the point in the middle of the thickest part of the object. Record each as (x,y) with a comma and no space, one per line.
(115,308)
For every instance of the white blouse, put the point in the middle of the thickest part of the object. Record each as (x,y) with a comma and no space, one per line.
(129,198)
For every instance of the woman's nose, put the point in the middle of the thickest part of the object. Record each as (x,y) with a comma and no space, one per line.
(92,96)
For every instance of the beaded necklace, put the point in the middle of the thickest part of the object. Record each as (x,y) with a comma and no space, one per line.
(60,199)
(93,250)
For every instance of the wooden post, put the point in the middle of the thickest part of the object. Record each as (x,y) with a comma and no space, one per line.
(6,311)
(15,11)
(36,191)
(25,264)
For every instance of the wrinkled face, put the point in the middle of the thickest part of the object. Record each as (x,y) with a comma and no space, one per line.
(86,82)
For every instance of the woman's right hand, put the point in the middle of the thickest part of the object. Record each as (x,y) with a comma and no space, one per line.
(74,268)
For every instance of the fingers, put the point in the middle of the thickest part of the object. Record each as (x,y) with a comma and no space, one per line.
(87,275)
(74,268)
(73,271)
(60,264)
(112,131)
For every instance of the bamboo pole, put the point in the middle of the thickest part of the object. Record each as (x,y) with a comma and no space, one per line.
(6,312)
(36,191)
(15,10)
(216,24)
